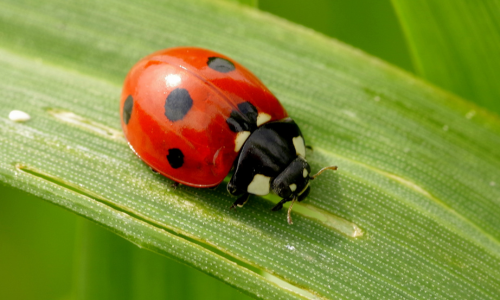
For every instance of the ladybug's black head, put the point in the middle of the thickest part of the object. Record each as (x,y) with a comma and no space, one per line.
(294,180)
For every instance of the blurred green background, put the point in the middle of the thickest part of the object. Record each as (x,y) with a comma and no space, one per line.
(48,253)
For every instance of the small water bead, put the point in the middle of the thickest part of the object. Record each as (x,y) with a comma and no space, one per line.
(19,116)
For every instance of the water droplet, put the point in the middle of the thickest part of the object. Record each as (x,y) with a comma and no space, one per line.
(19,116)
(291,248)
(445,128)
(377,98)
(492,183)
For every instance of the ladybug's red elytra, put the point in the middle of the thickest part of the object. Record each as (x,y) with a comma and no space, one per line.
(193,114)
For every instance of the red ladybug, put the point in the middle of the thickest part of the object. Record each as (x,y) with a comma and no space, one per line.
(193,114)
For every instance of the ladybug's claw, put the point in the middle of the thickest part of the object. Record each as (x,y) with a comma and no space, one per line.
(278,206)
(175,185)
(240,201)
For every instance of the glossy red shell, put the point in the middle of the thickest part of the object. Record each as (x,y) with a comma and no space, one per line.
(203,136)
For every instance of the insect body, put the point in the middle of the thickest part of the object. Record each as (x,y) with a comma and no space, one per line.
(193,114)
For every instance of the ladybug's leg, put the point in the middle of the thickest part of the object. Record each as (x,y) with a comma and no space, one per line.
(154,171)
(280,204)
(240,201)
(175,185)
(214,187)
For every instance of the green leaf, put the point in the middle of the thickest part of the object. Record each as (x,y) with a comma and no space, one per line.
(371,26)
(455,44)
(412,211)
(37,241)
(109,267)
(252,3)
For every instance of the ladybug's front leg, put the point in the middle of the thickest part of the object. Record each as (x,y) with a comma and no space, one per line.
(240,201)
(280,204)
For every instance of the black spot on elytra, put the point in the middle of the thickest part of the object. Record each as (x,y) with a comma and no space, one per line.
(220,64)
(175,158)
(178,104)
(243,119)
(127,109)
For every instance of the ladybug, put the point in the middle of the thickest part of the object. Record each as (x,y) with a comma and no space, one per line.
(192,115)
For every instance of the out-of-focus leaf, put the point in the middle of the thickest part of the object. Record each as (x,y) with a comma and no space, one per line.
(456,45)
(371,26)
(252,3)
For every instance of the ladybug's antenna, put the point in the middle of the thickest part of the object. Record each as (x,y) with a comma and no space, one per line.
(289,217)
(321,171)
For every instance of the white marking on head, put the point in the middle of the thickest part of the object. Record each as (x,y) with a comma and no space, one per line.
(300,147)
(293,187)
(262,118)
(305,173)
(19,116)
(260,185)
(240,139)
